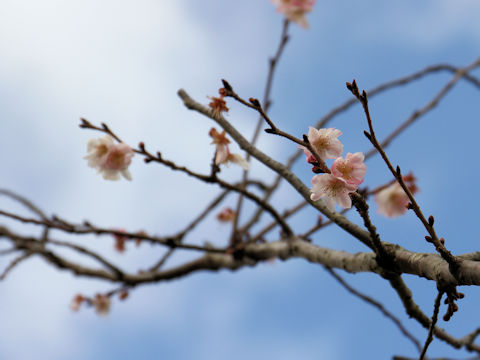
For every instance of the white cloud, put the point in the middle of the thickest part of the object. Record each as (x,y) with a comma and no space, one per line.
(434,22)
(119,62)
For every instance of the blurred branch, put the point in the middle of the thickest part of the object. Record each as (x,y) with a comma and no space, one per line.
(378,305)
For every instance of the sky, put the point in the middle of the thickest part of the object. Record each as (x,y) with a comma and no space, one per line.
(121,62)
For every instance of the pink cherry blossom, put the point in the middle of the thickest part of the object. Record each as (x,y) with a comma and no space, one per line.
(102,304)
(117,161)
(392,201)
(333,190)
(77,302)
(97,150)
(108,158)
(223,155)
(295,10)
(226,215)
(239,160)
(325,143)
(352,169)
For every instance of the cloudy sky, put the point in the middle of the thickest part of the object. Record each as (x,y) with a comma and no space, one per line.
(121,62)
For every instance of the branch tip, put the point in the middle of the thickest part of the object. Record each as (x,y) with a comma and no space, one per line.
(398,171)
(226,85)
(255,102)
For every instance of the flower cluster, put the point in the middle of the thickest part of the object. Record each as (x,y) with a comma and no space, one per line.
(295,10)
(100,302)
(223,154)
(392,201)
(346,174)
(109,158)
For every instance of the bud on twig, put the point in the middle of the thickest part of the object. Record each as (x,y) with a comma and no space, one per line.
(255,102)
(367,134)
(431,220)
(226,85)
(364,96)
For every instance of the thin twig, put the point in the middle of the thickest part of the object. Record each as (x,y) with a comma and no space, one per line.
(162,261)
(266,104)
(14,263)
(428,224)
(376,304)
(436,309)
(88,228)
(404,80)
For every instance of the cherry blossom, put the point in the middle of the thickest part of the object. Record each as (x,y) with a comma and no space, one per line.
(352,169)
(226,215)
(218,105)
(333,190)
(295,10)
(223,154)
(393,201)
(76,302)
(239,160)
(97,150)
(102,304)
(325,143)
(108,158)
(120,241)
(221,142)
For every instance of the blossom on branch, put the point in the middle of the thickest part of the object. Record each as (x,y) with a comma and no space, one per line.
(352,169)
(333,190)
(223,154)
(218,105)
(102,304)
(226,215)
(120,241)
(325,143)
(295,10)
(221,142)
(393,201)
(108,158)
(76,302)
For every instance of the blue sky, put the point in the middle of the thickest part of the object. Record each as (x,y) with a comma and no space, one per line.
(121,62)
